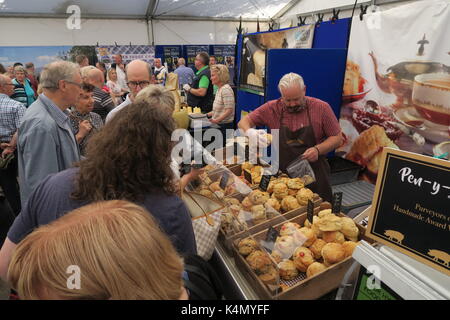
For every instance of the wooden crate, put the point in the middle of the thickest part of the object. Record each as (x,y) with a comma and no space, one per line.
(307,289)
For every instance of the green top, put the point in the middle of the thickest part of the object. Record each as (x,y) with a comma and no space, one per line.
(204,81)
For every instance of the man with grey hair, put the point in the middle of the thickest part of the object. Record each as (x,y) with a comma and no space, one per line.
(46,140)
(308,129)
(185,74)
(139,76)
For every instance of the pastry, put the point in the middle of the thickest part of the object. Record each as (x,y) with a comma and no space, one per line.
(231,201)
(325,205)
(292,192)
(235,209)
(256,170)
(329,222)
(310,236)
(333,236)
(349,229)
(247,204)
(259,261)
(349,247)
(295,184)
(316,248)
(303,258)
(272,203)
(270,277)
(207,193)
(304,195)
(258,197)
(247,166)
(258,213)
(215,186)
(307,179)
(289,203)
(323,213)
(271,185)
(247,245)
(314,269)
(332,253)
(289,228)
(277,256)
(288,270)
(280,188)
(285,245)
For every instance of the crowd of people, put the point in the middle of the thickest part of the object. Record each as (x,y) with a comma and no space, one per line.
(78,140)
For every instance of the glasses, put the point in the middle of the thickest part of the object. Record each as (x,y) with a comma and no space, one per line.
(79,85)
(135,84)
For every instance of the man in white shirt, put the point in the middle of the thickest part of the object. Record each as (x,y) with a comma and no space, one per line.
(139,77)
(120,70)
(160,72)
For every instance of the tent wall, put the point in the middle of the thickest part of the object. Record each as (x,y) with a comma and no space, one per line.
(54,32)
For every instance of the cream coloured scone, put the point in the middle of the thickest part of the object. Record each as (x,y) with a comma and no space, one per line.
(288,270)
(289,228)
(323,213)
(310,236)
(304,195)
(247,166)
(231,201)
(314,269)
(247,204)
(280,188)
(295,184)
(316,248)
(292,192)
(349,247)
(289,203)
(333,253)
(258,197)
(349,229)
(285,245)
(329,222)
(270,276)
(258,213)
(303,258)
(333,236)
(273,203)
(259,261)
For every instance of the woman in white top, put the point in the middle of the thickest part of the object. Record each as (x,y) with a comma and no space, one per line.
(116,90)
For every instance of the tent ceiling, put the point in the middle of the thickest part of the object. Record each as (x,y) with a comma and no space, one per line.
(139,9)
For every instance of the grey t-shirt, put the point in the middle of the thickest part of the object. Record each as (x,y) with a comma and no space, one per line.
(51,199)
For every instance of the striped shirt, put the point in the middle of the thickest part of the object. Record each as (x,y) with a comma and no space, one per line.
(11,114)
(324,121)
(224,100)
(103,103)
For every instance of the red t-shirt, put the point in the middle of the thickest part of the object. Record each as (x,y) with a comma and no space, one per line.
(324,121)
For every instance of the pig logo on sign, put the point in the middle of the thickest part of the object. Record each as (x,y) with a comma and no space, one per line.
(394,236)
(440,256)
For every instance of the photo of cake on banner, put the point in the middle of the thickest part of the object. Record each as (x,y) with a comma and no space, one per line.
(396,98)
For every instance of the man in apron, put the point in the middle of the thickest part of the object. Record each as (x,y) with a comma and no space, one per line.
(308,129)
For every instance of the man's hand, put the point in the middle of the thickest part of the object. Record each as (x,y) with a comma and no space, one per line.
(7,149)
(85,128)
(258,136)
(187,87)
(213,121)
(311,154)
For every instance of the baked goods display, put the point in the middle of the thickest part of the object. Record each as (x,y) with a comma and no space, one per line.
(353,80)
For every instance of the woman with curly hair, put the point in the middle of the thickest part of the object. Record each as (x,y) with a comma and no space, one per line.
(129,160)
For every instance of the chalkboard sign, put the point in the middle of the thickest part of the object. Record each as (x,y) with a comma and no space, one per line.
(310,211)
(223,53)
(411,207)
(191,53)
(248,176)
(171,55)
(224,180)
(264,184)
(336,202)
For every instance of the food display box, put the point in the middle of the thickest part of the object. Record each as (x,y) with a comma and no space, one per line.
(301,288)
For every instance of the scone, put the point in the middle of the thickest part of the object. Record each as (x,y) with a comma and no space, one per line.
(288,270)
(247,166)
(349,247)
(258,197)
(304,195)
(280,188)
(276,256)
(349,229)
(310,236)
(289,228)
(333,236)
(207,193)
(235,209)
(247,204)
(285,245)
(247,246)
(324,212)
(258,214)
(295,184)
(316,248)
(259,261)
(329,222)
(273,203)
(333,253)
(230,189)
(303,258)
(231,201)
(289,203)
(314,269)
(270,276)
(292,192)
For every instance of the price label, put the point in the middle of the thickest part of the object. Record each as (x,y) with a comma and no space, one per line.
(264,184)
(337,202)
(224,180)
(248,176)
(310,211)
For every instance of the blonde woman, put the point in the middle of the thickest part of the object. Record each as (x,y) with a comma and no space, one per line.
(116,90)
(224,103)
(117,248)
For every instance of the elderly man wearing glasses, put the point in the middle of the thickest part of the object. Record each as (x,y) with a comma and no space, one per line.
(46,141)
(139,75)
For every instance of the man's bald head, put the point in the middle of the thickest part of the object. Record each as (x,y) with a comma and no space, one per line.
(138,71)
(6,86)
(96,77)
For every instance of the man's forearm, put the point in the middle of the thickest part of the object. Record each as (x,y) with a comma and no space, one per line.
(13,142)
(330,144)
(245,124)
(200,92)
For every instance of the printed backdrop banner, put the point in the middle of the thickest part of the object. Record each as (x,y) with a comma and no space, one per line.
(129,53)
(254,48)
(397,84)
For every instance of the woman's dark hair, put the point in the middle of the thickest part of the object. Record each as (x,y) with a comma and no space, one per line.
(87,87)
(2,69)
(130,157)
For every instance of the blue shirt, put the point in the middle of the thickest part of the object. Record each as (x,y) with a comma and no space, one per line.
(52,199)
(11,114)
(185,75)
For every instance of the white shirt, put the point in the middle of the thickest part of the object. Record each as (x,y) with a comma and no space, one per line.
(118,108)
(121,78)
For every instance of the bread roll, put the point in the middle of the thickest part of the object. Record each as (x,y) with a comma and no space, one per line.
(316,248)
(315,268)
(310,236)
(333,253)
(349,247)
(304,195)
(303,258)
(349,229)
(289,203)
(288,271)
